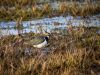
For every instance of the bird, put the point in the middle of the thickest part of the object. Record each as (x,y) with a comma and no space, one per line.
(39,41)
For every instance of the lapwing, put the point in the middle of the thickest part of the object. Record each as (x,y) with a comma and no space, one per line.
(38,41)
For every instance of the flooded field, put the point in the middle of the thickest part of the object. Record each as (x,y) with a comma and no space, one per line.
(49,37)
(48,24)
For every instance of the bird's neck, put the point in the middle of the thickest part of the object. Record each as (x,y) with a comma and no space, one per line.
(46,38)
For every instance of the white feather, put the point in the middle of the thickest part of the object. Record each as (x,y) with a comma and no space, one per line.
(41,44)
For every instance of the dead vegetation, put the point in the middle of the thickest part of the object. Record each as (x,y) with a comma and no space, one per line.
(11,10)
(65,55)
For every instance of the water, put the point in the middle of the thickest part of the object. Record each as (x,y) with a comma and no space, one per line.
(48,24)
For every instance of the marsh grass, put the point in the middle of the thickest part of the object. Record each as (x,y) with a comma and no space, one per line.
(69,55)
(30,10)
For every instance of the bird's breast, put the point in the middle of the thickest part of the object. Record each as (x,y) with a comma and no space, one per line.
(41,44)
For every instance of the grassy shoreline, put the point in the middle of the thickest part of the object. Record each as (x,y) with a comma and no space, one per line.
(46,10)
(74,54)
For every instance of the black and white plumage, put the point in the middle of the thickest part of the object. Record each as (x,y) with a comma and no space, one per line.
(39,41)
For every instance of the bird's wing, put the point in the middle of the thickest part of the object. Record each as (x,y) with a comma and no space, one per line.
(37,40)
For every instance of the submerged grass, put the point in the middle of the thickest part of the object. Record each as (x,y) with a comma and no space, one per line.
(73,54)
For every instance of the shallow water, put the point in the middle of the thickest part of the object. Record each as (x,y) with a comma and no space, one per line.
(48,24)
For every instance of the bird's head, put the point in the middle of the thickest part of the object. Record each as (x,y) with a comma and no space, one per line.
(48,35)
